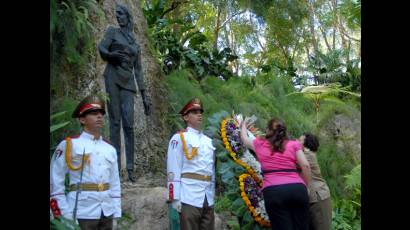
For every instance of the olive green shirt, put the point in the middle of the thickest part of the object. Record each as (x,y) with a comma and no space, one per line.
(318,189)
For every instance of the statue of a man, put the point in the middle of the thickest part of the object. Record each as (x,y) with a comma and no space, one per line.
(122,54)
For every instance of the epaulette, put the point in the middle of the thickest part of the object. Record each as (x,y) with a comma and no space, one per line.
(181,131)
(207,135)
(72,137)
(106,140)
(75,136)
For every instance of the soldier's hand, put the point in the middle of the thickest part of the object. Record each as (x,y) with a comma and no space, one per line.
(176,204)
(68,215)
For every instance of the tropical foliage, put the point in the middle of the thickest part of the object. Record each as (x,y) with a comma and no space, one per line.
(181,45)
(72,44)
(347,214)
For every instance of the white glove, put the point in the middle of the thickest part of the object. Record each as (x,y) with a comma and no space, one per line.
(176,204)
(69,216)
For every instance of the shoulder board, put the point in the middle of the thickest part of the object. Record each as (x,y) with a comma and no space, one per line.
(106,140)
(72,137)
(182,131)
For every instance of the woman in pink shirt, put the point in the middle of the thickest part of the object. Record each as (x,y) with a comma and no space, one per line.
(284,189)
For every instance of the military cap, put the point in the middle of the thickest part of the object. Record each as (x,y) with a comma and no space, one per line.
(88,104)
(194,104)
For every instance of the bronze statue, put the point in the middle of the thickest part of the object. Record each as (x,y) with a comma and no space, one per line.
(122,54)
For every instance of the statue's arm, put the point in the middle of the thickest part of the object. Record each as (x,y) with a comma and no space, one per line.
(105,43)
(138,71)
(140,82)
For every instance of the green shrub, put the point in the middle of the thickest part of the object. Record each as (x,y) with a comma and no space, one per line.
(347,211)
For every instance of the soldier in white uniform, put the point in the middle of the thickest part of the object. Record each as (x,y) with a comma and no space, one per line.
(191,171)
(100,198)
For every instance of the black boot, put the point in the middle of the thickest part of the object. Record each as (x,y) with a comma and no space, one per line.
(131,176)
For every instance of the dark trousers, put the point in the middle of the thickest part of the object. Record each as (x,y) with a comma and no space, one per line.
(193,218)
(321,214)
(287,206)
(104,223)
(121,107)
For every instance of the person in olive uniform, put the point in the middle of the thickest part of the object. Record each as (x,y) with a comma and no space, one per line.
(122,54)
(319,193)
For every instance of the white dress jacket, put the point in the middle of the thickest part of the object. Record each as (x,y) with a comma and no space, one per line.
(191,191)
(102,168)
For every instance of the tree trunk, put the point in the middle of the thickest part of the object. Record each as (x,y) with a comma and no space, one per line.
(341,30)
(312,26)
(217,26)
(307,52)
(334,22)
(226,32)
(295,48)
(325,37)
(234,48)
(338,24)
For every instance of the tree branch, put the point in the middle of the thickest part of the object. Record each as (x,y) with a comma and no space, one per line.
(238,13)
(174,5)
(295,48)
(322,30)
(260,43)
(351,38)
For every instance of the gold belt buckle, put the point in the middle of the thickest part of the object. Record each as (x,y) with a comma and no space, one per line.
(100,187)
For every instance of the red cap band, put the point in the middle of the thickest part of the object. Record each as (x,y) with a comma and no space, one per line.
(189,107)
(89,106)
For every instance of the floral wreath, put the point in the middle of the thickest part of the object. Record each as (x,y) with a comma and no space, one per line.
(234,147)
(241,175)
(255,199)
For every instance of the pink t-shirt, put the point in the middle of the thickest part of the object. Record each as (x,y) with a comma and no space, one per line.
(285,160)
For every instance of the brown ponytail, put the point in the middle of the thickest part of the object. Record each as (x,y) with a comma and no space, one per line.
(276,134)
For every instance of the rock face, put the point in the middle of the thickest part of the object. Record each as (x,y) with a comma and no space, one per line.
(144,207)
(345,129)
(151,132)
